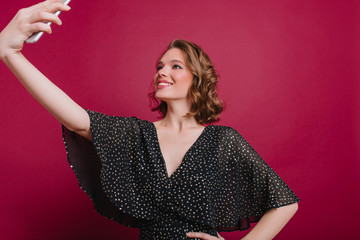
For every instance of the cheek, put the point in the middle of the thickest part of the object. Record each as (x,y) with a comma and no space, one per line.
(185,78)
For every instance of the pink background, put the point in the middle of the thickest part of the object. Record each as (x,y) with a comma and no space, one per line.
(289,77)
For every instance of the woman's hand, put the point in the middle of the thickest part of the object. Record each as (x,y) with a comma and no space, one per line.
(205,236)
(28,21)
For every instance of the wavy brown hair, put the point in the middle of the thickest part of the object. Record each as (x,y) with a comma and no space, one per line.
(206,106)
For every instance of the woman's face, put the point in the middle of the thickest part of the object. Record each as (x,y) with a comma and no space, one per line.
(172,79)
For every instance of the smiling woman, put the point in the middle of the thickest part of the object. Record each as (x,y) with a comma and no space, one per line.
(169,177)
(176,176)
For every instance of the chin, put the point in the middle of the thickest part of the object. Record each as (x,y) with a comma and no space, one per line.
(162,95)
(159,97)
(163,99)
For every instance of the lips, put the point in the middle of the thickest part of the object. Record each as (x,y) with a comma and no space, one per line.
(163,81)
(163,84)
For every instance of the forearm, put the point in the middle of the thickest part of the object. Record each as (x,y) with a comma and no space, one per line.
(271,223)
(60,105)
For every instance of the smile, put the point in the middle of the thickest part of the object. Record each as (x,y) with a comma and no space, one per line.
(164,85)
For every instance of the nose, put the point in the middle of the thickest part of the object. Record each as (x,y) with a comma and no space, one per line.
(162,71)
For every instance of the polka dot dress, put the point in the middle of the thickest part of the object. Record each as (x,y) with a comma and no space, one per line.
(222,183)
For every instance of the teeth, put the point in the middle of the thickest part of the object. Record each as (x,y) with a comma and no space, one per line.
(166,84)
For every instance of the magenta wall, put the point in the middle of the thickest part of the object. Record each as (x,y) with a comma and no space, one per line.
(289,77)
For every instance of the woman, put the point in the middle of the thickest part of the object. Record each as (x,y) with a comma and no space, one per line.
(173,178)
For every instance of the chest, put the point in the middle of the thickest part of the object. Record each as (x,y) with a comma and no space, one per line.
(174,147)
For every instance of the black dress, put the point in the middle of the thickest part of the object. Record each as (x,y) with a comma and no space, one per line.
(222,184)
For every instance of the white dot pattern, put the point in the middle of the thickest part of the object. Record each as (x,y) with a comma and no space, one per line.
(222,183)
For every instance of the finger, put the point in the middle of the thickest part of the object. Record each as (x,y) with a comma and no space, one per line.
(46,16)
(201,235)
(41,4)
(51,6)
(40,12)
(40,27)
(56,6)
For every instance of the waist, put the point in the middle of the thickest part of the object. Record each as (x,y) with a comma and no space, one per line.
(172,228)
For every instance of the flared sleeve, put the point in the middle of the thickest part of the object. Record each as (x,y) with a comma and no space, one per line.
(249,187)
(106,167)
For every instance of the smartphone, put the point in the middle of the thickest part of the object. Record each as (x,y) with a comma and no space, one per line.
(36,36)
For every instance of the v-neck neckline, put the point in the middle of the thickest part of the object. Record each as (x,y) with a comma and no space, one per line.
(163,162)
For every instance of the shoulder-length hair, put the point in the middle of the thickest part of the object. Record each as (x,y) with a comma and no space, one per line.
(206,106)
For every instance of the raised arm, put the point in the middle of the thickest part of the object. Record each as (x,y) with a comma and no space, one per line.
(26,22)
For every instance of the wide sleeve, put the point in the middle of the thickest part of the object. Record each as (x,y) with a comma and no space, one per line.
(105,167)
(249,186)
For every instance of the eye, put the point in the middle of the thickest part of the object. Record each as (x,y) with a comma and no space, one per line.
(177,66)
(158,68)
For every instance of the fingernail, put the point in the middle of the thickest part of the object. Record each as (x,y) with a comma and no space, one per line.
(188,234)
(68,7)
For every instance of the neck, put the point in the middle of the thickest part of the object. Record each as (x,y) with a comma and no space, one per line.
(175,116)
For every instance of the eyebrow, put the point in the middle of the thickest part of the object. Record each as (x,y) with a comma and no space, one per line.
(173,60)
